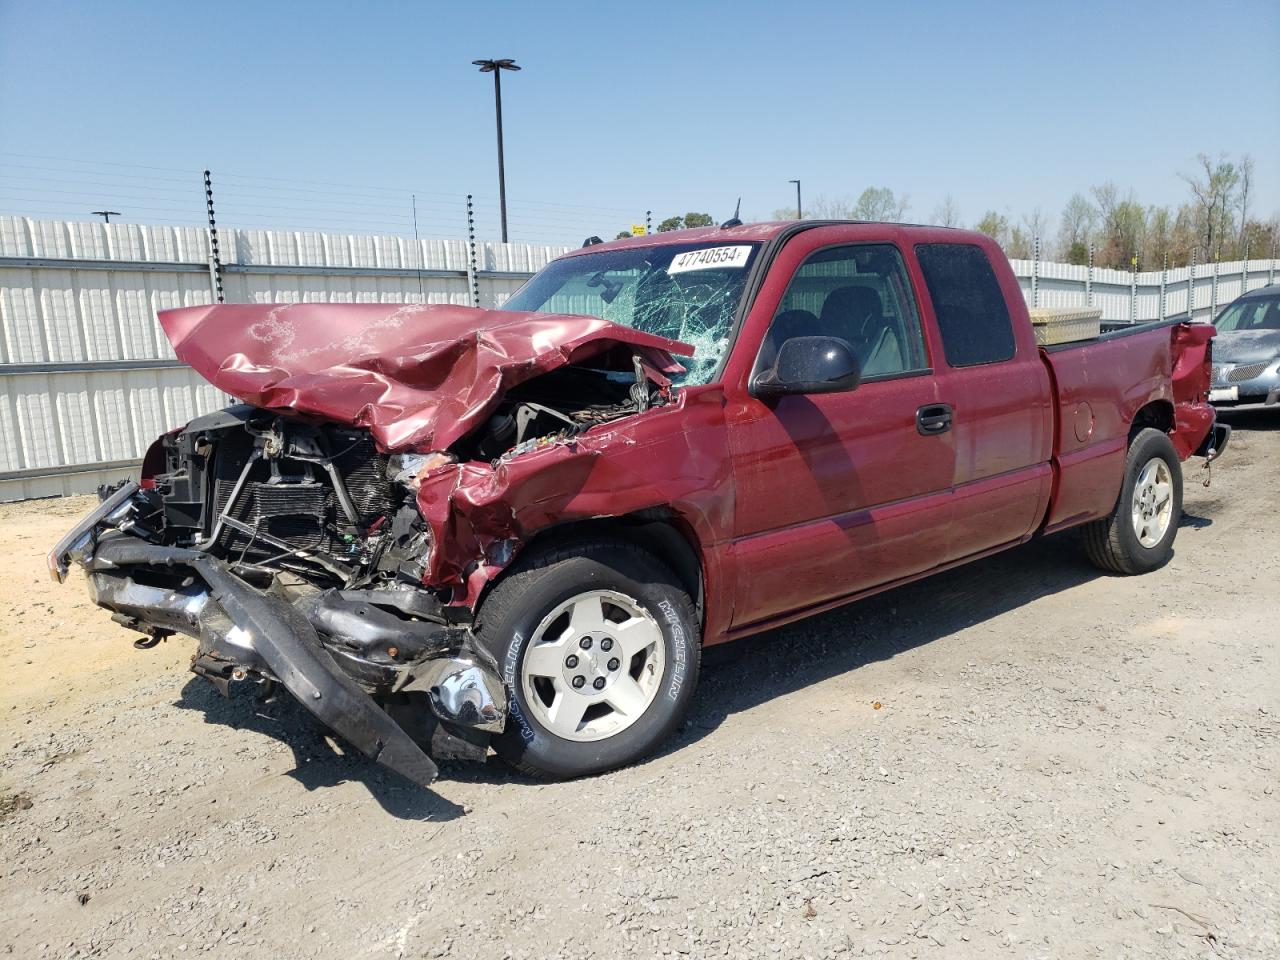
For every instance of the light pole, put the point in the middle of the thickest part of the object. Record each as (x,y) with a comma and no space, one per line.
(496,67)
(106,215)
(799,211)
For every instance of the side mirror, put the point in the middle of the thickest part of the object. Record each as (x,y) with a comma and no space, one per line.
(810,365)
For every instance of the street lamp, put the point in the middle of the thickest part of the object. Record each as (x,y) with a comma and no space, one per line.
(106,215)
(799,212)
(496,67)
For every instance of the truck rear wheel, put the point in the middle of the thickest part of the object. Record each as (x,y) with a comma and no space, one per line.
(598,645)
(1138,536)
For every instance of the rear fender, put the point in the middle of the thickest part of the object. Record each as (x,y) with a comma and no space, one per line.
(1193,417)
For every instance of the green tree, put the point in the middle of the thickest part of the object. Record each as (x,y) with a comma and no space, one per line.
(685,222)
(1261,239)
(879,203)
(1018,246)
(623,235)
(994,226)
(1157,237)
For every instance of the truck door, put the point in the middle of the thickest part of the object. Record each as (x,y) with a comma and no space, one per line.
(997,393)
(836,492)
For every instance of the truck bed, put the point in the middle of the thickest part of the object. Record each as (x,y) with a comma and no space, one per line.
(1153,373)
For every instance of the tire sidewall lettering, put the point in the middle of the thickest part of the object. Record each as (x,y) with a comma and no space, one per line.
(510,677)
(680,656)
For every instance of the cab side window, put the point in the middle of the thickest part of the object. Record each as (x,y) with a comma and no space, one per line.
(968,303)
(859,293)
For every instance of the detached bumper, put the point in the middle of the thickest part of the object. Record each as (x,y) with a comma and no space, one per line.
(241,630)
(265,634)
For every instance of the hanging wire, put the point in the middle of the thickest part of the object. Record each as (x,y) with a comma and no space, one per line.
(68,187)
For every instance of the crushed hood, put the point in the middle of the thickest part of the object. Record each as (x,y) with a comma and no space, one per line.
(419,377)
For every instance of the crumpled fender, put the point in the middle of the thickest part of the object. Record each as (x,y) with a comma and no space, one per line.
(675,457)
(419,377)
(1192,415)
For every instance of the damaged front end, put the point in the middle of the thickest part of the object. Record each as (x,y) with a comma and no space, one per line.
(289,552)
(310,538)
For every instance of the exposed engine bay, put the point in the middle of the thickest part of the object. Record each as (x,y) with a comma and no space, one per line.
(317,507)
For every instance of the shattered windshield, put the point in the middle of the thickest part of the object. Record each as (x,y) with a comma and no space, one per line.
(685,291)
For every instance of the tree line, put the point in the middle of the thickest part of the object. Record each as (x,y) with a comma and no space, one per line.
(1217,221)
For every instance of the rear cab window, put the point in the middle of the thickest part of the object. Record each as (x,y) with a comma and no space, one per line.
(968,303)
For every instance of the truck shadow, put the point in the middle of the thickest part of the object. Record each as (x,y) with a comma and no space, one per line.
(735,677)
(741,675)
(317,762)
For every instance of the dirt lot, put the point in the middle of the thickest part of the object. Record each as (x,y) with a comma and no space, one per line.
(1023,758)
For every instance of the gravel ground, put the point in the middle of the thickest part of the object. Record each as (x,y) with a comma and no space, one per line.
(1022,758)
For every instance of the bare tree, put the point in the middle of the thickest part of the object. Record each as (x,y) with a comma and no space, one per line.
(1214,192)
(1123,224)
(947,213)
(1035,224)
(1079,220)
(820,207)
(1246,181)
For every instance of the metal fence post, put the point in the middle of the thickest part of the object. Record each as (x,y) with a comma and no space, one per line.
(1035,272)
(1213,296)
(215,258)
(1191,286)
(1088,279)
(1133,290)
(1164,281)
(473,280)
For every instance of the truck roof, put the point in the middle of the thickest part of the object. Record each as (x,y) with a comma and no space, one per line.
(764,231)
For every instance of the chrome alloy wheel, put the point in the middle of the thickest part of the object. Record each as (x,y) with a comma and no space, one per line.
(593,666)
(1153,502)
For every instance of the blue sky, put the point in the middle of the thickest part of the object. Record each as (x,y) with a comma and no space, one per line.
(328,115)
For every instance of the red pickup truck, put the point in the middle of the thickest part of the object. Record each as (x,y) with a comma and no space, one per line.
(446,529)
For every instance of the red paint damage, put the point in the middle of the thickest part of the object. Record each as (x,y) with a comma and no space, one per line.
(1193,417)
(419,378)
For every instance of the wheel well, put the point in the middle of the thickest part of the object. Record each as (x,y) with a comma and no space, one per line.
(1158,414)
(658,531)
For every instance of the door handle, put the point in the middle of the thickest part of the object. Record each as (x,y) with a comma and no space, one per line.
(933,419)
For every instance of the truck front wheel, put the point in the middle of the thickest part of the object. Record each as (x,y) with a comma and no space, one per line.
(1138,536)
(598,645)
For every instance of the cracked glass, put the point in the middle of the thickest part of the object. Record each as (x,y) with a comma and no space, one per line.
(685,291)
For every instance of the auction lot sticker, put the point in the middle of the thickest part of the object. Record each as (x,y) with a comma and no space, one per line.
(733,258)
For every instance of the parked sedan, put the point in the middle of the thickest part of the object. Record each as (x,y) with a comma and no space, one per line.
(1246,352)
